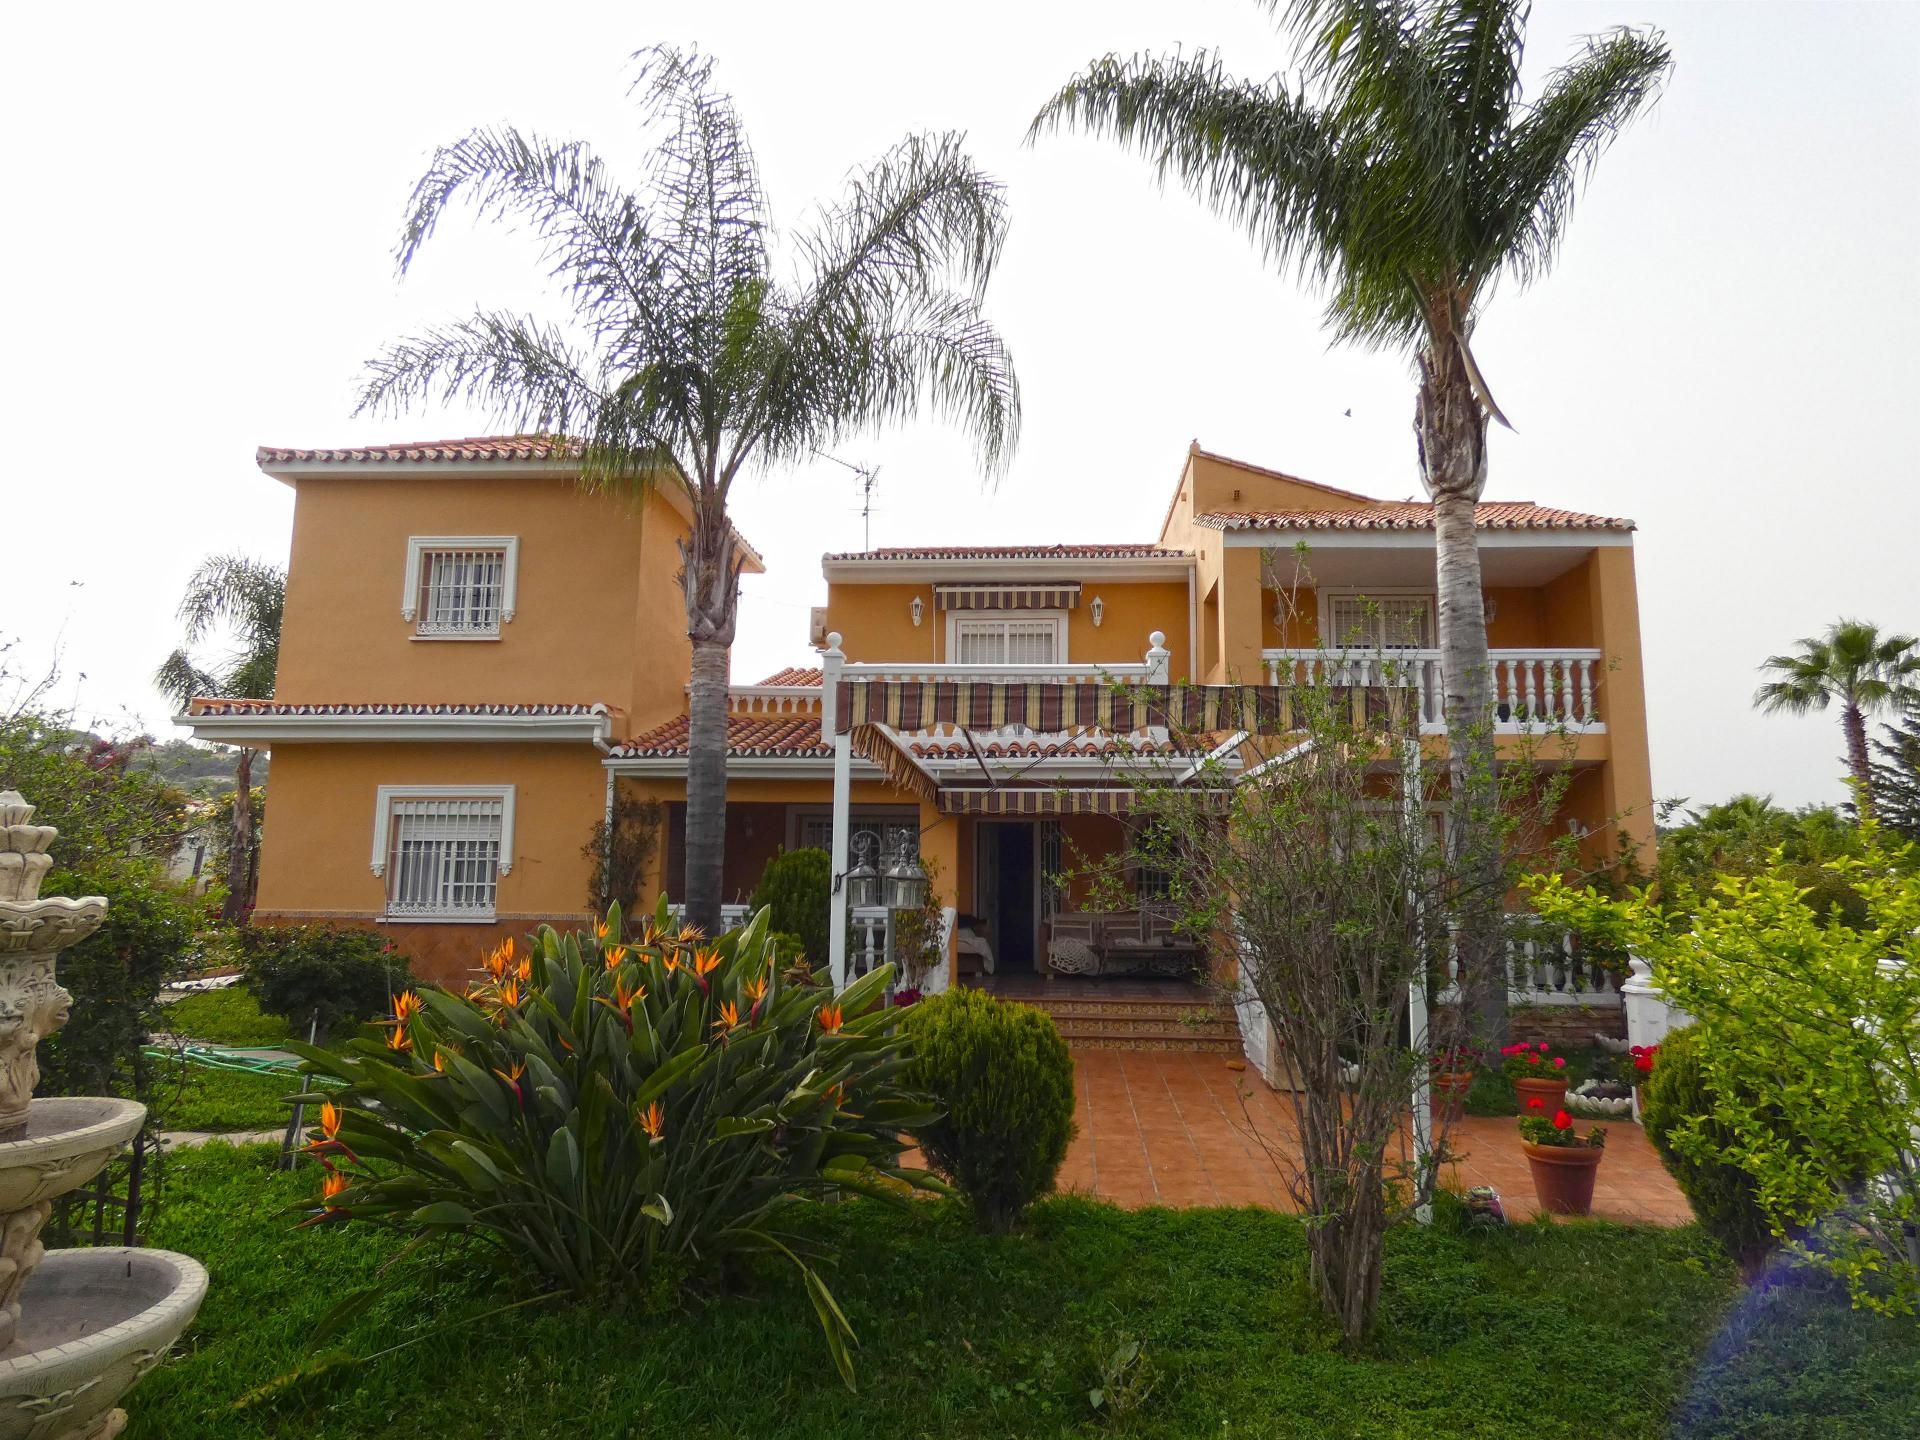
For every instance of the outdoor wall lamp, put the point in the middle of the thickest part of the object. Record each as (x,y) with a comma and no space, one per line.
(863,881)
(919,609)
(1098,610)
(907,884)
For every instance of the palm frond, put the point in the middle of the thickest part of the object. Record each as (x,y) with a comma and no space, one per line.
(525,374)
(244,598)
(1553,149)
(180,680)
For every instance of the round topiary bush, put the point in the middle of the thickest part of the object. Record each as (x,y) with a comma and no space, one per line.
(1003,1080)
(797,886)
(1676,1102)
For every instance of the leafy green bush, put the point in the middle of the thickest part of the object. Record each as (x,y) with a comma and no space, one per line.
(616,1117)
(1003,1080)
(115,975)
(1678,1100)
(797,887)
(337,975)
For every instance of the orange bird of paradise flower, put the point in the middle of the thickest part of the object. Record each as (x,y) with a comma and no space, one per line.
(671,960)
(830,1018)
(729,1016)
(754,990)
(498,959)
(705,962)
(615,956)
(400,1042)
(525,972)
(602,929)
(653,1122)
(406,1005)
(689,934)
(509,994)
(440,1061)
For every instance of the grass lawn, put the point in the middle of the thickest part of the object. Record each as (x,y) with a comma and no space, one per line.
(222,1017)
(193,1097)
(1574,1331)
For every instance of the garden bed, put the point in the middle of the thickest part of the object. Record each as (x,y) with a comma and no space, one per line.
(1569,1330)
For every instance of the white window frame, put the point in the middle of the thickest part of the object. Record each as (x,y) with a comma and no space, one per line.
(384,797)
(957,618)
(1329,594)
(418,547)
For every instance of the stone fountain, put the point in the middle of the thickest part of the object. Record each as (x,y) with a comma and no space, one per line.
(77,1327)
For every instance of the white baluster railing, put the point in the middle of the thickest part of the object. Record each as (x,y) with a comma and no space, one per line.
(1543,970)
(1543,689)
(867,940)
(732,917)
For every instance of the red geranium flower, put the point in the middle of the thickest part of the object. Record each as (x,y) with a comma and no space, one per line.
(1534,1102)
(1562,1120)
(1533,1059)
(1559,1062)
(1541,1046)
(1643,1063)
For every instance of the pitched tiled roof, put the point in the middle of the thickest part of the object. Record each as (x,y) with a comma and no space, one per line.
(794,675)
(790,735)
(1011,552)
(1411,515)
(202,705)
(480,448)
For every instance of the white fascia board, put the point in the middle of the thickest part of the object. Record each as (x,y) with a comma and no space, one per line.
(292,470)
(265,730)
(1250,539)
(989,571)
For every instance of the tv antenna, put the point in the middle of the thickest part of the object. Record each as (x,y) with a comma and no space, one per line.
(869,477)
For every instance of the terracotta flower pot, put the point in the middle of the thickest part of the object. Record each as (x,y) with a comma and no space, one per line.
(1563,1176)
(1450,1093)
(1552,1091)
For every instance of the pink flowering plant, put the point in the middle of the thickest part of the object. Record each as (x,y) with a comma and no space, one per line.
(1533,1060)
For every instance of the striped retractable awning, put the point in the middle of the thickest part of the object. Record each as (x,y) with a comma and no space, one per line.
(1060,800)
(1051,708)
(1053,595)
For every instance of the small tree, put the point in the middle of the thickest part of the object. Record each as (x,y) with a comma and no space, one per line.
(620,850)
(1320,876)
(1896,775)
(797,889)
(1856,666)
(1827,1019)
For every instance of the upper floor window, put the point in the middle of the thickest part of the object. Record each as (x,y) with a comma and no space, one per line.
(460,587)
(996,640)
(1388,620)
(442,849)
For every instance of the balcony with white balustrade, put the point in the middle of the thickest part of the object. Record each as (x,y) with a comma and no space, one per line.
(1534,690)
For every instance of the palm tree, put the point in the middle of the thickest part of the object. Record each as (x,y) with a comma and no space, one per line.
(1852,664)
(689,358)
(243,597)
(1406,176)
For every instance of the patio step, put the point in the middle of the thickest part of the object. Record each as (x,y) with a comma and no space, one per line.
(1102,1024)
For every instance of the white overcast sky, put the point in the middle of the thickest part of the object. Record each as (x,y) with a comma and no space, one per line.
(201,205)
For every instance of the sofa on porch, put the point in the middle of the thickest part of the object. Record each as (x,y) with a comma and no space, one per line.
(1119,942)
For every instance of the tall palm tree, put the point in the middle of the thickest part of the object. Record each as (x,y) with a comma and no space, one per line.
(688,358)
(1858,667)
(1405,175)
(244,598)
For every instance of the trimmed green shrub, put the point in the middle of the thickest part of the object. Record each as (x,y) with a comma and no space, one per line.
(622,1119)
(797,888)
(1003,1080)
(336,974)
(1676,1101)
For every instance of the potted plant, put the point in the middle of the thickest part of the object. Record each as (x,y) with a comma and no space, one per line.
(1536,1072)
(1561,1160)
(1452,1079)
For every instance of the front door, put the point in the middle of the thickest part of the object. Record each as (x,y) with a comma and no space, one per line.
(1008,890)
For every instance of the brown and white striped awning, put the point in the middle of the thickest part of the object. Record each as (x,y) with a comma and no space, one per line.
(1050,708)
(1052,595)
(1030,800)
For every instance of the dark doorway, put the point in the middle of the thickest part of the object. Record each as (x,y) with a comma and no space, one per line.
(1010,851)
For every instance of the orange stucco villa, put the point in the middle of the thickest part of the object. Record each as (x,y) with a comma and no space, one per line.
(477,658)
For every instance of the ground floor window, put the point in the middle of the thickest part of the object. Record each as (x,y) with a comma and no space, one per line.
(887,833)
(442,851)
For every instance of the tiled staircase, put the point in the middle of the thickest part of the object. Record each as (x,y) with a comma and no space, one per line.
(1180,1019)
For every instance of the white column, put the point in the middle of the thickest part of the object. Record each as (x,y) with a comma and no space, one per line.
(837,900)
(1650,1019)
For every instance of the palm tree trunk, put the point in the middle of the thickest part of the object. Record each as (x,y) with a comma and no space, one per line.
(239,902)
(1452,431)
(710,578)
(1854,722)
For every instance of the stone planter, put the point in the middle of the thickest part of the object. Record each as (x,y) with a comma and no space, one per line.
(1552,1092)
(95,1321)
(1563,1177)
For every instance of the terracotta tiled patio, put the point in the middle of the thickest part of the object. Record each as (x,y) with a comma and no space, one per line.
(1172,1128)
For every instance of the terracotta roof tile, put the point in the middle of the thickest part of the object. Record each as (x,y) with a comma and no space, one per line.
(203,705)
(794,675)
(1411,515)
(1011,552)
(791,735)
(479,448)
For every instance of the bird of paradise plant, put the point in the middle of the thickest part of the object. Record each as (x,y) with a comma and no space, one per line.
(604,1121)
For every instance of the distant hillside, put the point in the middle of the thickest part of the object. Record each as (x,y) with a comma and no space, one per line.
(199,769)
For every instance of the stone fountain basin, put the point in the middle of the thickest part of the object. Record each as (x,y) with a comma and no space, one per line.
(69,1140)
(93,1321)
